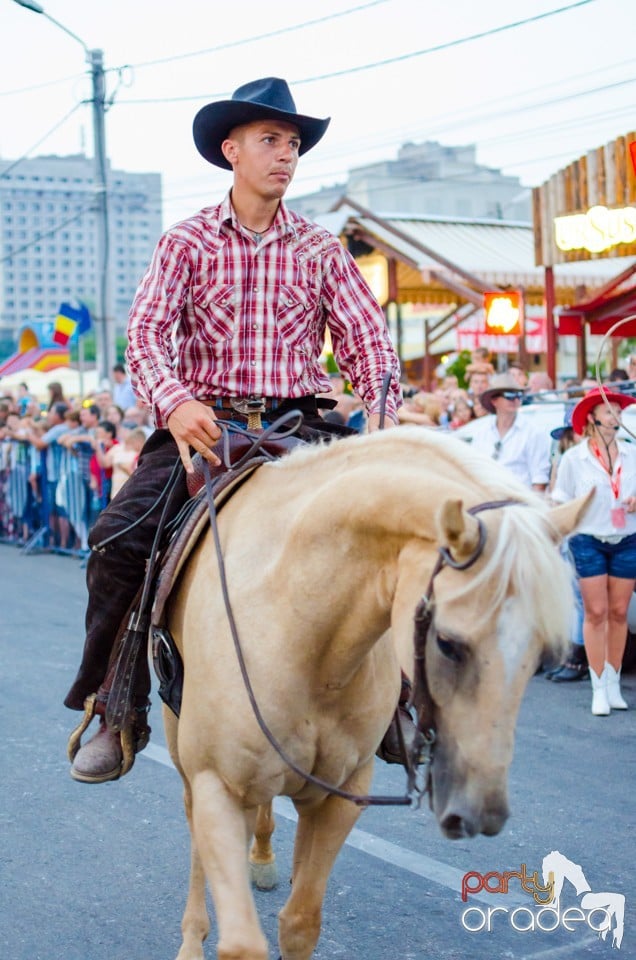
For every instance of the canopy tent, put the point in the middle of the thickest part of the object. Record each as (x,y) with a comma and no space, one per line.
(75,384)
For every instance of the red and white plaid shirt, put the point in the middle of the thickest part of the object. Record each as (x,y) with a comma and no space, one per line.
(219,315)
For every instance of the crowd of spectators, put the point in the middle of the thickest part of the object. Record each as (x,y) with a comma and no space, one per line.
(63,460)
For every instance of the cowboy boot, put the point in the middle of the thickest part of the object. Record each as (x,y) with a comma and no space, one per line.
(390,749)
(614,695)
(101,757)
(574,668)
(600,703)
(109,755)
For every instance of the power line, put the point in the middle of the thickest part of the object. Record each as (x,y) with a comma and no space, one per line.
(550,103)
(198,53)
(24,156)
(261,36)
(41,86)
(387,62)
(344,172)
(446,46)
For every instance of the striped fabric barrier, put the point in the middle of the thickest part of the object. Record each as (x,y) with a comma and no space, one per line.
(52,514)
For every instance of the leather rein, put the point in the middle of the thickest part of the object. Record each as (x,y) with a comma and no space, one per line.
(421,752)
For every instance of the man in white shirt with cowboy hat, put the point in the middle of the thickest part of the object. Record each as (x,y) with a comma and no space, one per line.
(511,440)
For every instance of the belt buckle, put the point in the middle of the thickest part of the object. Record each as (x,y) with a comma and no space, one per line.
(252,408)
(247,405)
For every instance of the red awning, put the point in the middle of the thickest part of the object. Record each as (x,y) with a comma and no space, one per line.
(604,310)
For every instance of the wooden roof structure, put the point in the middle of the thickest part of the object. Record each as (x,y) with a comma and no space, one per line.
(451,263)
(586,213)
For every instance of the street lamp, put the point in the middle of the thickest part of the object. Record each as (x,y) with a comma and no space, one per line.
(95,59)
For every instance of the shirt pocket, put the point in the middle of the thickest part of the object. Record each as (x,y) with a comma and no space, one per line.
(215,312)
(297,314)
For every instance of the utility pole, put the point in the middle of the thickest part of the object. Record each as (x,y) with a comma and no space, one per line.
(104,334)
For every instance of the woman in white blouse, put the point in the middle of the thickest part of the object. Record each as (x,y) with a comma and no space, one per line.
(604,547)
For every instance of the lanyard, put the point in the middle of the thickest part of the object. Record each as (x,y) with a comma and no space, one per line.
(615,477)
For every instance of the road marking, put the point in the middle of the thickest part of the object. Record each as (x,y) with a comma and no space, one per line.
(569,950)
(416,863)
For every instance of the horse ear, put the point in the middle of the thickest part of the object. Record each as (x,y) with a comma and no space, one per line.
(458,530)
(566,517)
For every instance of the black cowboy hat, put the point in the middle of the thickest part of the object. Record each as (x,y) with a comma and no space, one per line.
(258,100)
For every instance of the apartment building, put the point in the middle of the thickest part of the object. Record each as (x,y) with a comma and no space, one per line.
(427,178)
(48,236)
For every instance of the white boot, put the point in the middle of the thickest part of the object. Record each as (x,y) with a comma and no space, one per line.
(614,696)
(600,703)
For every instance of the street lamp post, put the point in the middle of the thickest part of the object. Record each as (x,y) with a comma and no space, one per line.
(95,59)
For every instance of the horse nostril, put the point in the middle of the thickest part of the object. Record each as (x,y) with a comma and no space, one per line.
(493,822)
(455,826)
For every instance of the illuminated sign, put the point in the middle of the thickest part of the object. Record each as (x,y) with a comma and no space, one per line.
(597,230)
(504,312)
(375,270)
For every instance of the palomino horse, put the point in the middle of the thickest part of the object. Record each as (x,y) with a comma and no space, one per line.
(327,554)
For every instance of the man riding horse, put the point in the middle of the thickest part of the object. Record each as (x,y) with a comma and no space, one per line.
(231,313)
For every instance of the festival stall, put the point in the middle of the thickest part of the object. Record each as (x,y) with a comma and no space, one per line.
(586,214)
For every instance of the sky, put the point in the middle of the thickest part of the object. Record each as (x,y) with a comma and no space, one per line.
(532,97)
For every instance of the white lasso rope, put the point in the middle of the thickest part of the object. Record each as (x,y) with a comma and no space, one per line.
(602,387)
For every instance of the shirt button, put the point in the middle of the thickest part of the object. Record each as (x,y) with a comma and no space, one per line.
(255,326)
(255,289)
(252,363)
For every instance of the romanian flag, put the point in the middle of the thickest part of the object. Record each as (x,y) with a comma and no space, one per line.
(68,320)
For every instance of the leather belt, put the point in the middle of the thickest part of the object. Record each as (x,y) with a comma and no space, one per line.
(245,405)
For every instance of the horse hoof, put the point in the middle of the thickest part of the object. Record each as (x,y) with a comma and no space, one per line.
(264,876)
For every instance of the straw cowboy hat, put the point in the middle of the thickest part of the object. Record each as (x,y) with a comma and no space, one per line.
(592,399)
(269,98)
(500,383)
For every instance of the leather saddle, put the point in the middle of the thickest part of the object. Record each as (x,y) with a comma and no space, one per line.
(241,453)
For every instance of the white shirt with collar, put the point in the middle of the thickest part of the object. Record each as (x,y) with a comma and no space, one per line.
(579,471)
(524,449)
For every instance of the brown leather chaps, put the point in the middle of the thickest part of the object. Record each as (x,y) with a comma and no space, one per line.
(115,572)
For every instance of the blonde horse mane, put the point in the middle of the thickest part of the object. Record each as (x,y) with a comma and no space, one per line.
(519,564)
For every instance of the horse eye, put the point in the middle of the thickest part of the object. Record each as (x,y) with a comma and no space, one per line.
(451,649)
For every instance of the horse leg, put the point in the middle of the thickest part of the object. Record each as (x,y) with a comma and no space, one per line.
(320,835)
(195,924)
(263,870)
(221,831)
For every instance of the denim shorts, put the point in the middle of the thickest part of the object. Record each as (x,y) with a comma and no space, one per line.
(595,558)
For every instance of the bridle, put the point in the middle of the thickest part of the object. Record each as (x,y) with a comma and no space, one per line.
(421,753)
(421,698)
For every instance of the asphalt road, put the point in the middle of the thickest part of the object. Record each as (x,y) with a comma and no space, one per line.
(100,872)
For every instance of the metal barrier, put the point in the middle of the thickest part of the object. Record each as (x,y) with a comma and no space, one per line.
(46,501)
